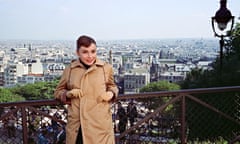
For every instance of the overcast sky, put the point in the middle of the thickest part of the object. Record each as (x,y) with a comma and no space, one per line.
(109,19)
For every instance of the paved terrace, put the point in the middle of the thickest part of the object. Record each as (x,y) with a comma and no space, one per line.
(210,115)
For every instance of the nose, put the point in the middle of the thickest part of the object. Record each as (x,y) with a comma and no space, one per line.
(90,55)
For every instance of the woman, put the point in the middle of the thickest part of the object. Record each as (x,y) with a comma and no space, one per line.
(89,84)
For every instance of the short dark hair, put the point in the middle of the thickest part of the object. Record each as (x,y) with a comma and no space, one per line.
(85,41)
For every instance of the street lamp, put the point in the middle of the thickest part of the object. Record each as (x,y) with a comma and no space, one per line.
(222,17)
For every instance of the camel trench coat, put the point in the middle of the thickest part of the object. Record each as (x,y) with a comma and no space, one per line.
(89,111)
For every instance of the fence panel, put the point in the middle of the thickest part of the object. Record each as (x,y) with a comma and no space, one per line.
(207,115)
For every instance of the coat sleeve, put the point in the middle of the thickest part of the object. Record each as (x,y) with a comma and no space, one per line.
(62,85)
(111,86)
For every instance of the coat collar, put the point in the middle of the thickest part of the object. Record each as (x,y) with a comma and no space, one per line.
(77,63)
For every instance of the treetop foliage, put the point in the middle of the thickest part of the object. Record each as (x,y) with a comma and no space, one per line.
(36,91)
(160,86)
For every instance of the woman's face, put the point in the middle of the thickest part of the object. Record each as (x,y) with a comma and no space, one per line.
(87,54)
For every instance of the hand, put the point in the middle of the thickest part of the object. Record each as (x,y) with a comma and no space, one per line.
(107,96)
(65,100)
(74,93)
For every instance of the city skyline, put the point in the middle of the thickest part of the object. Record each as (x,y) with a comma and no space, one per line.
(109,20)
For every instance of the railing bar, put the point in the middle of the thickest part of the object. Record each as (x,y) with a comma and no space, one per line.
(32,103)
(183,91)
(24,125)
(183,121)
(145,95)
(153,114)
(213,109)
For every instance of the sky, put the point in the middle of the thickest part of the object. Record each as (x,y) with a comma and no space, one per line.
(109,19)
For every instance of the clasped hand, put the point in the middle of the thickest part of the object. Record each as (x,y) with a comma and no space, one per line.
(107,96)
(74,93)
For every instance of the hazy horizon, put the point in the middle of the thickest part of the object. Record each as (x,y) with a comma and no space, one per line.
(136,39)
(109,19)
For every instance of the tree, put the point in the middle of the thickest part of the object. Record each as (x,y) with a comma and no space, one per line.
(159,86)
(36,91)
(8,96)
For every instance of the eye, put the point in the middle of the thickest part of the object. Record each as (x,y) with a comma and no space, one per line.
(93,51)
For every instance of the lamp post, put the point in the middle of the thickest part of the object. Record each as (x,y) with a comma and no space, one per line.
(222,17)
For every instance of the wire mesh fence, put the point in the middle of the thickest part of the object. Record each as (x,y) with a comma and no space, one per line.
(213,117)
(44,124)
(185,116)
(11,128)
(147,121)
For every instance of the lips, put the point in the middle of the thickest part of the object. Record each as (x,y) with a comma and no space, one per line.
(89,61)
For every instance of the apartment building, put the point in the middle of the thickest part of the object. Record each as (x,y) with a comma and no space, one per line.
(30,78)
(133,82)
(10,75)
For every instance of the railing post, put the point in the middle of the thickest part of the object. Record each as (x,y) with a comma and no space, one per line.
(24,125)
(117,140)
(183,121)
